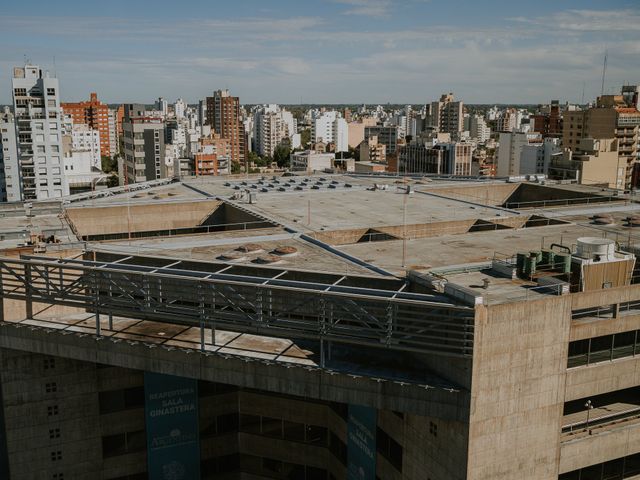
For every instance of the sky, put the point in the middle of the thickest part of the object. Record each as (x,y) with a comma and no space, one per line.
(325,51)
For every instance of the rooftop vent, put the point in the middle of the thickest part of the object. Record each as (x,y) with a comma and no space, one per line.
(285,251)
(603,219)
(232,257)
(267,259)
(249,248)
(633,220)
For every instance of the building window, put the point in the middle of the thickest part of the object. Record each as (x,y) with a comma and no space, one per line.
(58,476)
(389,449)
(51,387)
(52,410)
(49,363)
(54,433)
(56,456)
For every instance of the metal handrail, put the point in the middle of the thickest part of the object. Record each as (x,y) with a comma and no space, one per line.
(598,421)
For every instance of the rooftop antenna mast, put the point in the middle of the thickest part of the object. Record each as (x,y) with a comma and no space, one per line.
(604,72)
(582,101)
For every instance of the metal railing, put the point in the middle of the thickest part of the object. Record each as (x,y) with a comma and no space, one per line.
(244,303)
(601,421)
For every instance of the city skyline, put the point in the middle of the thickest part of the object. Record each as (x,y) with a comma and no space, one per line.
(335,51)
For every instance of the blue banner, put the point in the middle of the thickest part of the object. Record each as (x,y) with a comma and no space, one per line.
(171,409)
(361,443)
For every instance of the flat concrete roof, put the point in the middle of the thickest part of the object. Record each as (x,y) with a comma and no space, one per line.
(211,247)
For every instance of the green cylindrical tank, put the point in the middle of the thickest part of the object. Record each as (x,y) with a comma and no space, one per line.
(520,260)
(531,263)
(563,261)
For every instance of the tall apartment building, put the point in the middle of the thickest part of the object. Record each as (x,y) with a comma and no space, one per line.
(114,147)
(162,106)
(631,95)
(94,114)
(611,118)
(223,114)
(272,126)
(478,128)
(387,135)
(593,162)
(144,145)
(536,156)
(454,158)
(548,122)
(447,115)
(179,109)
(38,117)
(330,127)
(10,181)
(509,156)
(508,121)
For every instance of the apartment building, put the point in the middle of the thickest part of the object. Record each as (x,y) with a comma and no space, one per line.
(223,114)
(447,115)
(611,118)
(273,126)
(593,162)
(144,145)
(10,181)
(548,121)
(38,117)
(373,151)
(95,115)
(452,158)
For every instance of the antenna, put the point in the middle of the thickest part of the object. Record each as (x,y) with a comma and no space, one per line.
(582,102)
(604,72)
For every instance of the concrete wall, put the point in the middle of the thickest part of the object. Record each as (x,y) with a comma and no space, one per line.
(139,218)
(517,397)
(600,447)
(240,371)
(602,377)
(490,194)
(27,418)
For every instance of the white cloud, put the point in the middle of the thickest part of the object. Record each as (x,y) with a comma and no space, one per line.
(369,8)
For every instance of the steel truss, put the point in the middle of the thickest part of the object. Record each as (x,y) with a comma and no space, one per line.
(271,306)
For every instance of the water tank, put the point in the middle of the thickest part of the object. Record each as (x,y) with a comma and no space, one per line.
(589,247)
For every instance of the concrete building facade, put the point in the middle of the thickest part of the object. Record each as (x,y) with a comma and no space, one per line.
(94,114)
(223,114)
(144,145)
(298,345)
(10,181)
(38,116)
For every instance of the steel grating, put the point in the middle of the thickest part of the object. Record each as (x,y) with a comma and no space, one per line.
(263,301)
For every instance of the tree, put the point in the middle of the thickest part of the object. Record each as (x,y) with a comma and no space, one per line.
(281,155)
(113,181)
(109,164)
(305,137)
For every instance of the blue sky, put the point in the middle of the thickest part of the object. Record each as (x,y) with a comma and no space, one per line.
(326,51)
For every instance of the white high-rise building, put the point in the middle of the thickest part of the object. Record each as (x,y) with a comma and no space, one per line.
(179,109)
(509,160)
(272,125)
(478,129)
(36,105)
(329,127)
(113,132)
(10,175)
